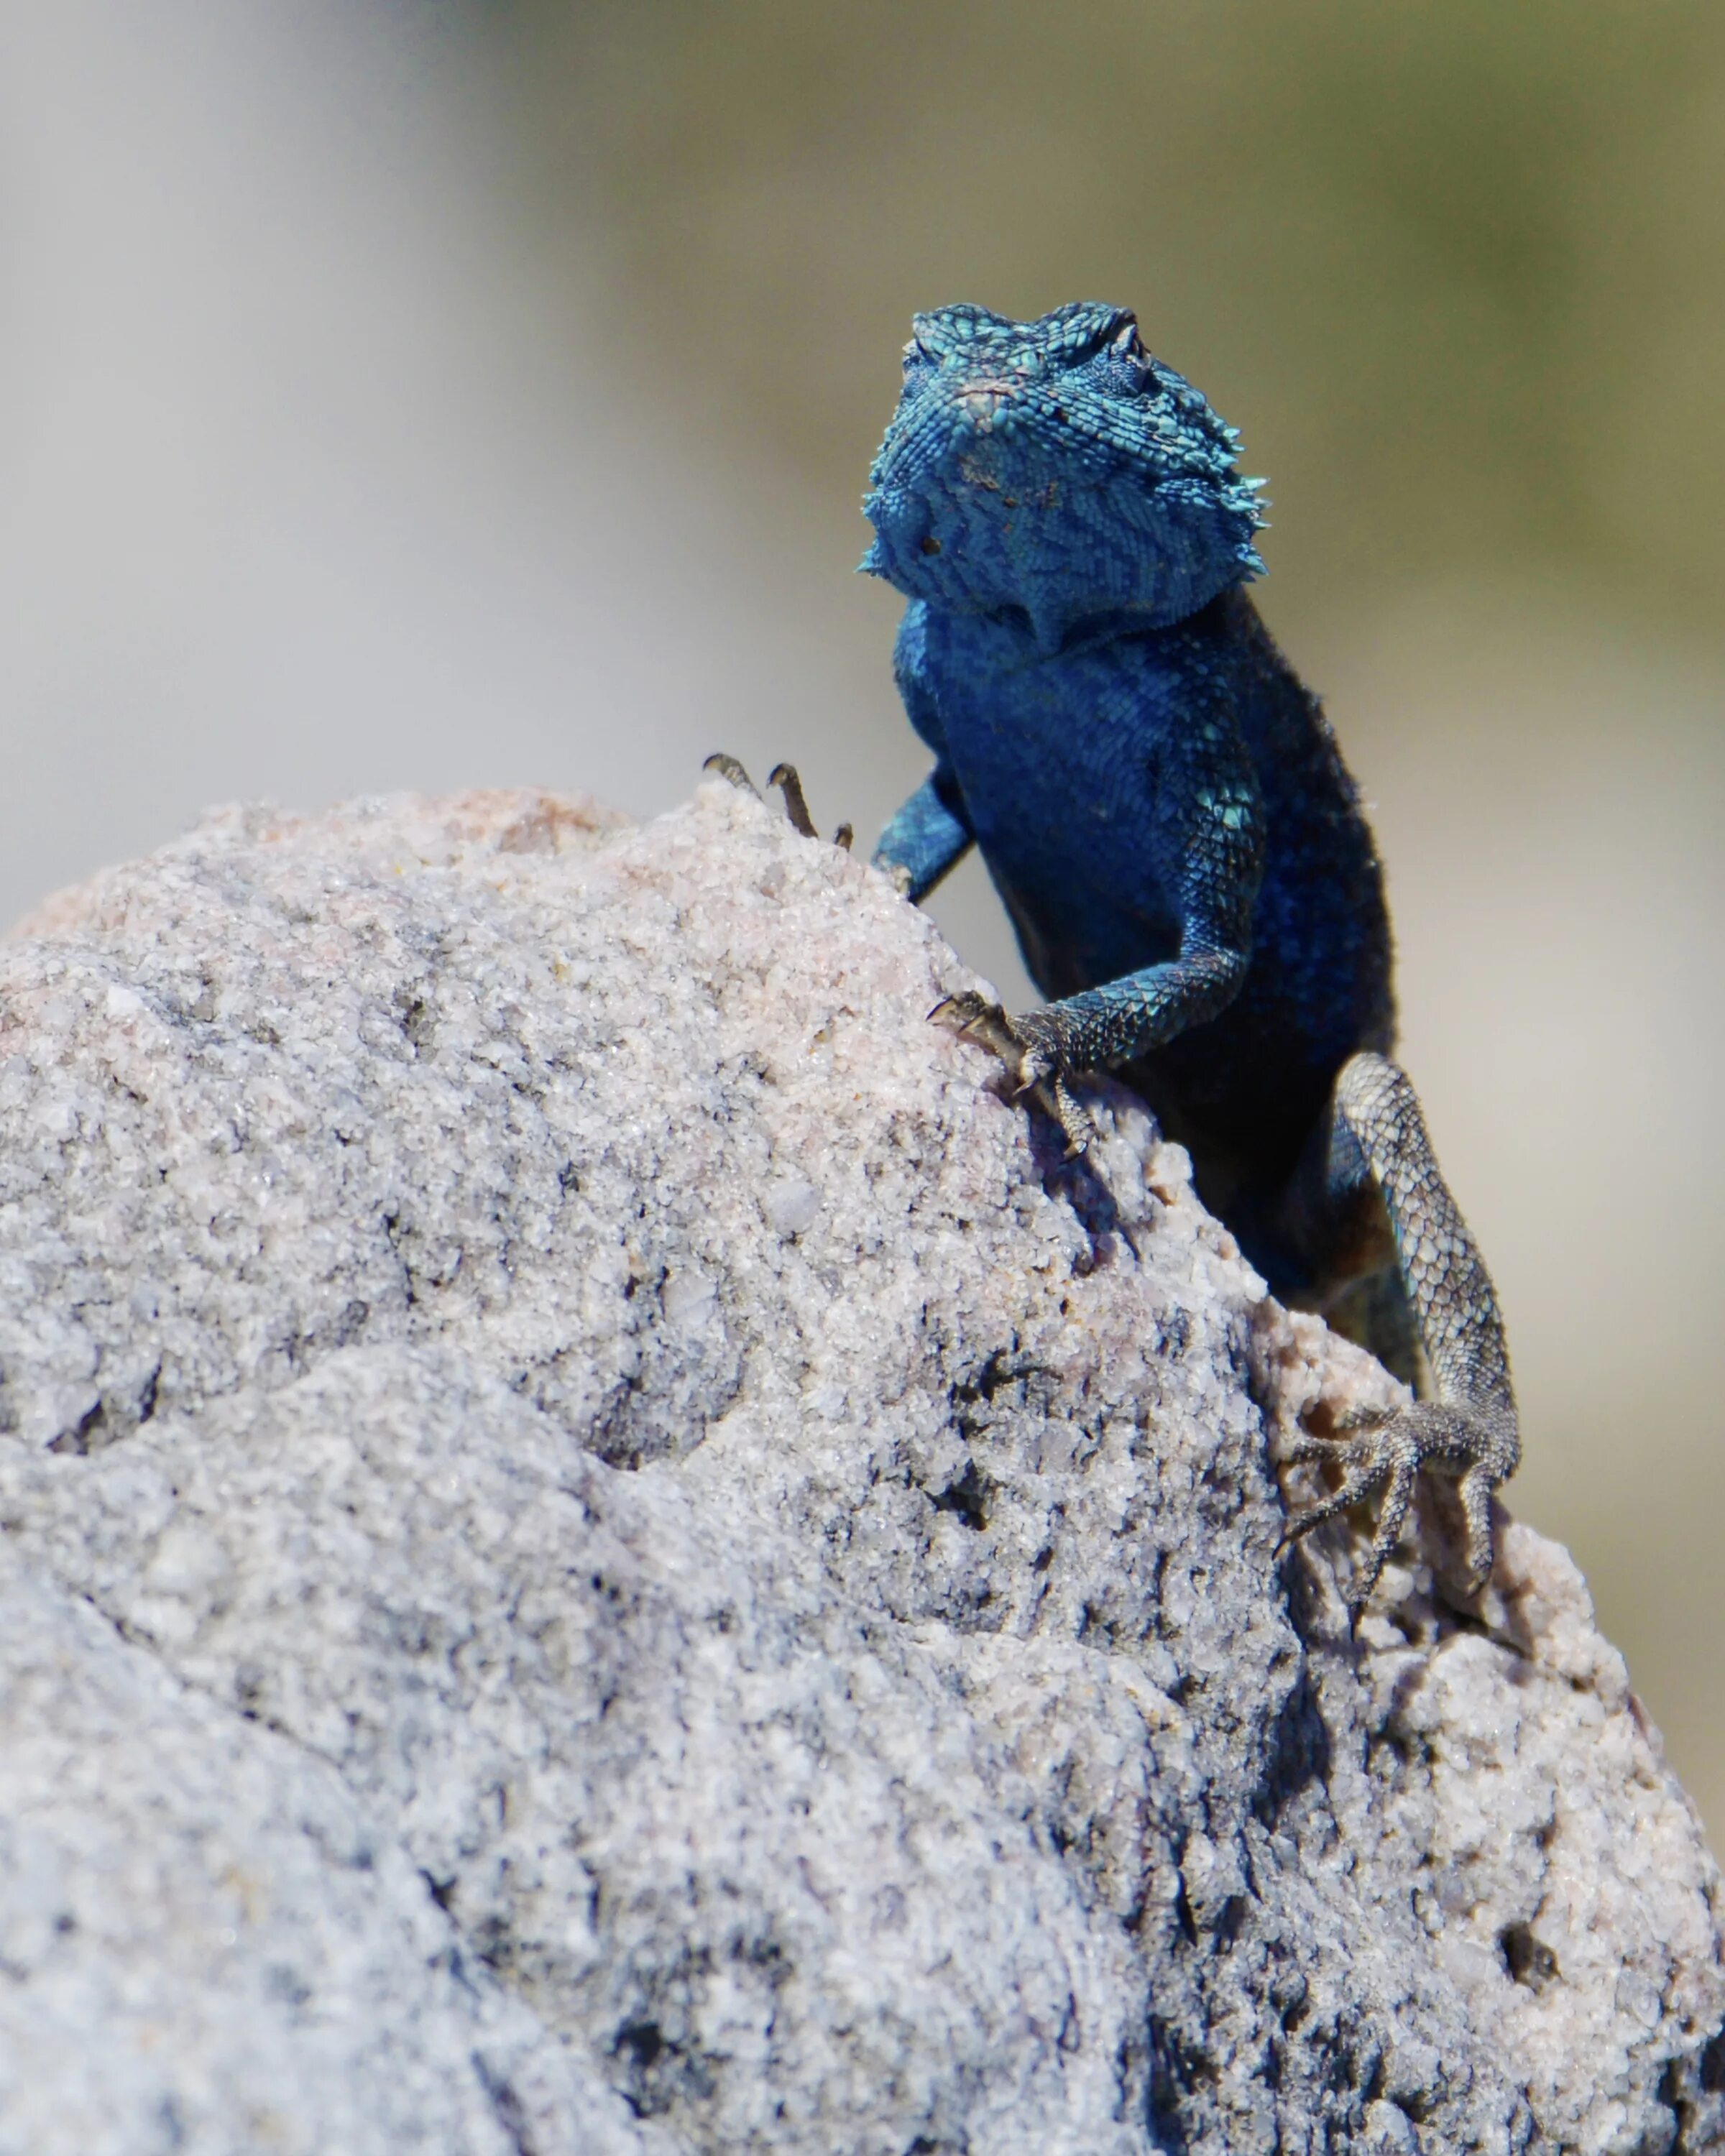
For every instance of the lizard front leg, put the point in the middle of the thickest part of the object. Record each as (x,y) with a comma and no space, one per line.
(1470,1430)
(927,837)
(1043,1051)
(932,832)
(1203,824)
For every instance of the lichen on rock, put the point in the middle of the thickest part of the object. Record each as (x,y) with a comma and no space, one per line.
(605,1551)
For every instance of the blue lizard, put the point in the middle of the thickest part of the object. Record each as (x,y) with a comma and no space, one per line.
(1164,810)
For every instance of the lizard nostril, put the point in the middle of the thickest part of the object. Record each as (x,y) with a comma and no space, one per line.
(931,545)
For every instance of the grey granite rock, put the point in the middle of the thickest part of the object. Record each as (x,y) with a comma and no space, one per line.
(603,1551)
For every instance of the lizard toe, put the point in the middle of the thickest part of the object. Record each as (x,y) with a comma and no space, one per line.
(785,778)
(731,770)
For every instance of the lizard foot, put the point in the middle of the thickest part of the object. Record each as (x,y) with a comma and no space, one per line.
(1388,1454)
(784,777)
(1028,1045)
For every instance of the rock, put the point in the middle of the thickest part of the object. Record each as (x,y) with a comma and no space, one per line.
(206,1942)
(604,1551)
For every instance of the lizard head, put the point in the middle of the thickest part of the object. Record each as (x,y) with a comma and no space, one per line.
(1054,469)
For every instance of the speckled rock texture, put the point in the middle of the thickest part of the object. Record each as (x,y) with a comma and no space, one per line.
(602,1550)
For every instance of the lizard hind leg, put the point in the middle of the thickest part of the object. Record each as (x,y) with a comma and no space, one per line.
(1467,1430)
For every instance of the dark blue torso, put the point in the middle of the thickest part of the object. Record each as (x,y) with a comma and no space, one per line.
(1058,759)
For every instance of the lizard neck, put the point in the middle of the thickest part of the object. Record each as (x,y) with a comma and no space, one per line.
(1010,639)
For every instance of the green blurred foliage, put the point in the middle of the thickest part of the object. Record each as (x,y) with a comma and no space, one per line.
(1456,268)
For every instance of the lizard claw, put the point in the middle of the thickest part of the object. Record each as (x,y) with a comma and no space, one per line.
(1029,1047)
(728,768)
(784,777)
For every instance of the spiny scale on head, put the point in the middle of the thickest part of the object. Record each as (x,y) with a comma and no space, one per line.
(1083,327)
(996,414)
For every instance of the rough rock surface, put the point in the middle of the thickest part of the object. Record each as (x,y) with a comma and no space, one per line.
(604,1552)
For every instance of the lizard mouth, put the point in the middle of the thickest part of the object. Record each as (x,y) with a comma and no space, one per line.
(954,423)
(981,402)
(999,410)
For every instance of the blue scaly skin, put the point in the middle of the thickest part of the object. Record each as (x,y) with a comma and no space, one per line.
(1164,810)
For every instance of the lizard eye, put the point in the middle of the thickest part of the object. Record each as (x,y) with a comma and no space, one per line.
(917,354)
(1126,344)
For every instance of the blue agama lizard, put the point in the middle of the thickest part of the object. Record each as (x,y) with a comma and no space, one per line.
(1164,809)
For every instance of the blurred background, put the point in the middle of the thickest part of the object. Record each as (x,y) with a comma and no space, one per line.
(427,394)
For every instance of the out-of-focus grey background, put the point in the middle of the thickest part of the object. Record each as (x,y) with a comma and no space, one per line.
(404,394)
